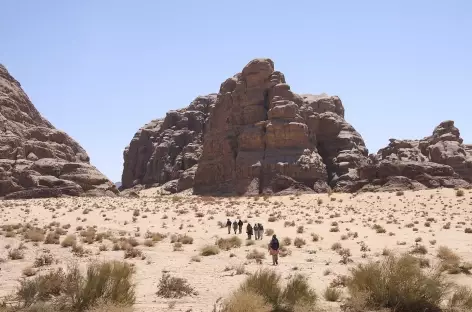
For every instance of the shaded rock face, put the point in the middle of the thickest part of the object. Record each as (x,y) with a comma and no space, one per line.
(168,149)
(263,138)
(37,160)
(440,160)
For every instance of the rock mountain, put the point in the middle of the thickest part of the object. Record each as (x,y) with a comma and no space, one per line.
(37,160)
(257,136)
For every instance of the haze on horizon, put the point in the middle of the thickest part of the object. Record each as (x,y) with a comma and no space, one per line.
(100,70)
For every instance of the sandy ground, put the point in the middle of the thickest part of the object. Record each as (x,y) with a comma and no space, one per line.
(404,218)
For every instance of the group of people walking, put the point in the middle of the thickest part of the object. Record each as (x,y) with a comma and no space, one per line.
(258,231)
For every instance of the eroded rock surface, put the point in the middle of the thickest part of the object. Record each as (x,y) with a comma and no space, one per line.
(37,160)
(256,136)
(168,149)
(440,160)
(263,138)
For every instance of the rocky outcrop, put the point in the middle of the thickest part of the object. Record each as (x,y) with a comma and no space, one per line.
(440,160)
(37,160)
(168,149)
(257,136)
(263,138)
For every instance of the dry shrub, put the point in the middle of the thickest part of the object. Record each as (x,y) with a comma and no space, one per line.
(43,260)
(228,243)
(209,250)
(16,254)
(461,300)
(255,254)
(419,249)
(286,241)
(35,235)
(52,238)
(396,283)
(29,271)
(450,261)
(332,294)
(155,236)
(244,301)
(107,282)
(266,283)
(174,287)
(149,243)
(110,307)
(132,252)
(184,239)
(299,242)
(178,246)
(69,241)
(284,251)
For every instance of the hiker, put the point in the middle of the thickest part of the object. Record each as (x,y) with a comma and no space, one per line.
(274,250)
(240,226)
(235,226)
(228,225)
(249,231)
(256,231)
(261,230)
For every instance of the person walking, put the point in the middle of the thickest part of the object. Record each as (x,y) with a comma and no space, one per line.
(240,226)
(235,226)
(274,250)
(249,231)
(256,231)
(261,230)
(228,225)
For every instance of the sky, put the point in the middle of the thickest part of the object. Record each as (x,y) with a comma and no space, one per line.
(100,70)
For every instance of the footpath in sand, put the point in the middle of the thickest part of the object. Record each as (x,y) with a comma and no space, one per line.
(370,225)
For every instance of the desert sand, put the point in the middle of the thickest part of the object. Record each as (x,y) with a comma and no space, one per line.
(370,225)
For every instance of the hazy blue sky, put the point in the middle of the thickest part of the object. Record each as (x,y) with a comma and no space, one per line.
(100,69)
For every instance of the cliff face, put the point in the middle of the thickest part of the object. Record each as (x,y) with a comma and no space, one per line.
(37,160)
(168,149)
(264,138)
(254,136)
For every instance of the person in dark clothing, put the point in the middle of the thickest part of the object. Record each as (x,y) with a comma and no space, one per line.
(235,226)
(249,231)
(228,225)
(256,231)
(261,230)
(240,226)
(274,250)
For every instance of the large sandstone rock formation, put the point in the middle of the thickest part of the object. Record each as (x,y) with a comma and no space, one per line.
(167,150)
(440,160)
(254,136)
(263,138)
(36,160)
(257,136)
